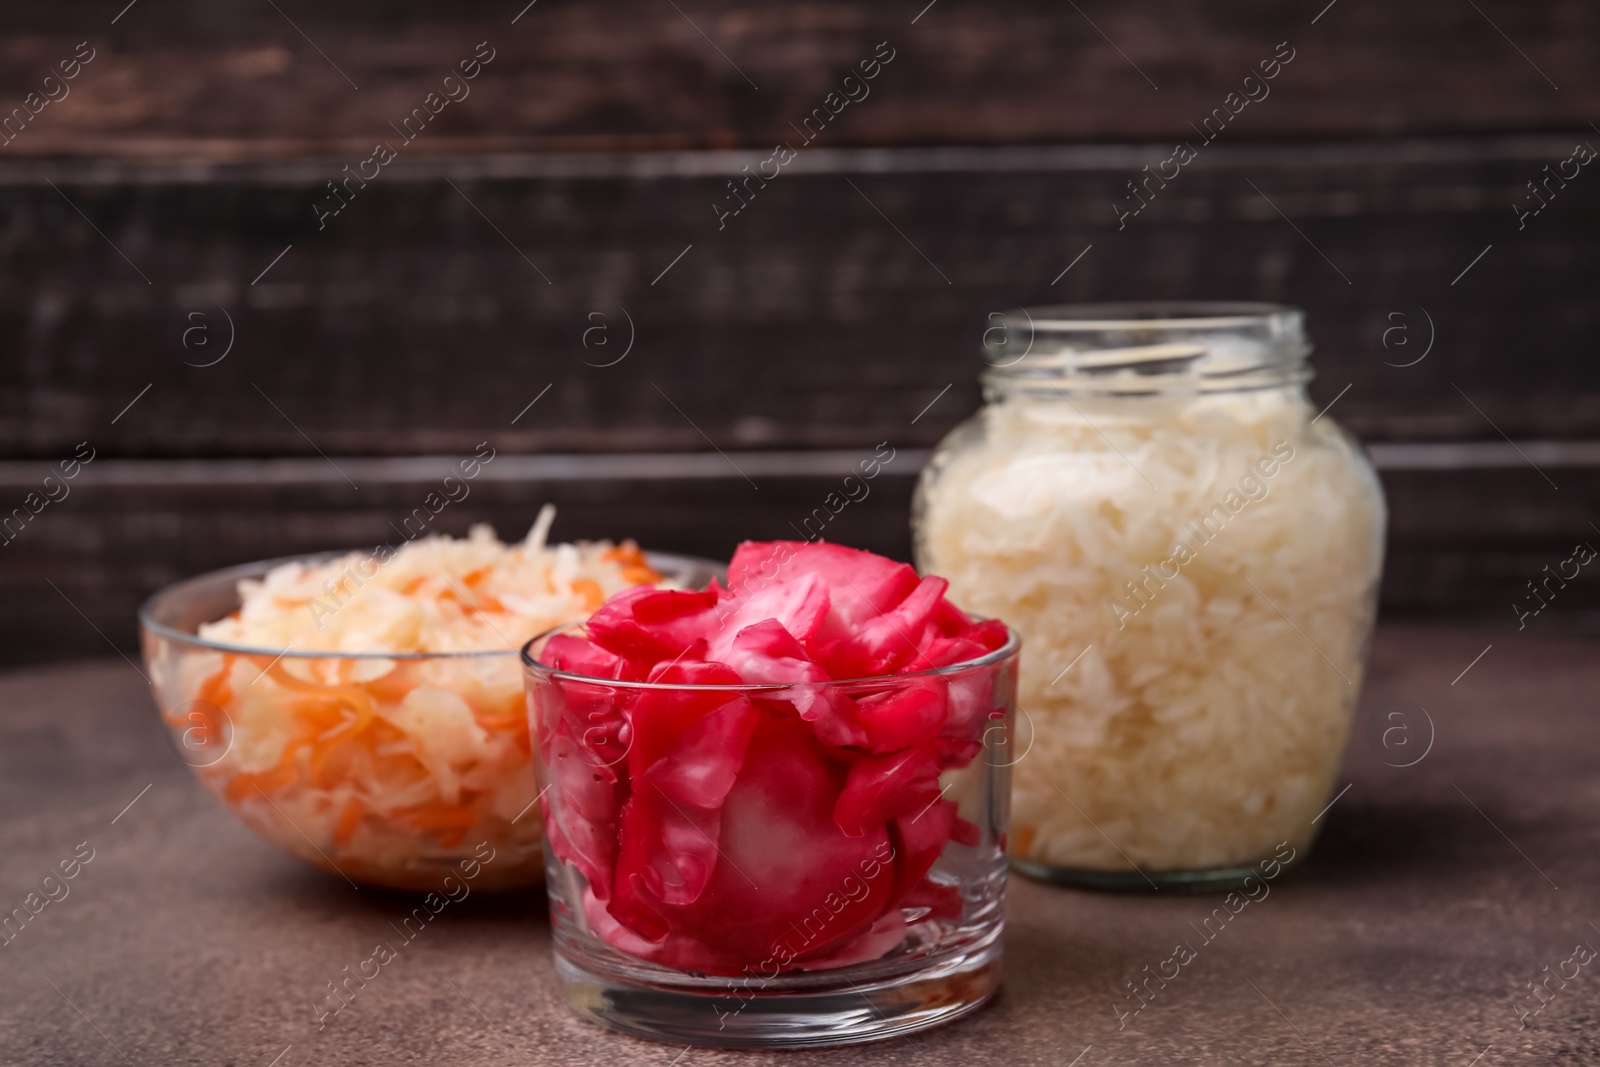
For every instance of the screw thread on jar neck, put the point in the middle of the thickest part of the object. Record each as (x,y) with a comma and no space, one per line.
(1144,348)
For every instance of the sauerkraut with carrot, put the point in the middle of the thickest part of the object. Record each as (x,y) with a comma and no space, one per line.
(369,708)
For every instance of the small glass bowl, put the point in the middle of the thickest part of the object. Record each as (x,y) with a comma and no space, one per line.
(722,876)
(305,748)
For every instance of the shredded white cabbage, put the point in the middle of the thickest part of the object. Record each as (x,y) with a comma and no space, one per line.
(436,594)
(1201,723)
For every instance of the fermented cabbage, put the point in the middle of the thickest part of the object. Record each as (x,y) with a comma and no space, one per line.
(358,750)
(1193,627)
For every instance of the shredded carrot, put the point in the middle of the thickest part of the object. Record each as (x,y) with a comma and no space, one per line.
(216,689)
(509,717)
(448,822)
(439,816)
(322,752)
(245,785)
(322,698)
(392,687)
(589,589)
(349,819)
(635,568)
(211,698)
(488,602)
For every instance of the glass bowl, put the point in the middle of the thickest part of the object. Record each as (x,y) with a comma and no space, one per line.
(722,872)
(308,748)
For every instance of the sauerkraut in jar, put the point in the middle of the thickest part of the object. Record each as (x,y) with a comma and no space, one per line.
(1191,555)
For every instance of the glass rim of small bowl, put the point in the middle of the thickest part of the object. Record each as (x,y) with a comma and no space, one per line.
(533,666)
(176,590)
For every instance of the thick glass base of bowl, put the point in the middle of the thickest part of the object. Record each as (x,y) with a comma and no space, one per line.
(1217,880)
(843,1007)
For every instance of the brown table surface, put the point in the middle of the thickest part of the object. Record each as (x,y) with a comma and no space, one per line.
(1408,937)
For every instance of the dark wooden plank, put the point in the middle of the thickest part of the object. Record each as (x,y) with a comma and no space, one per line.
(415,323)
(243,81)
(121,534)
(72,579)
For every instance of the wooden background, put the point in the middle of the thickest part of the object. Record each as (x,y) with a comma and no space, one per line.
(563,214)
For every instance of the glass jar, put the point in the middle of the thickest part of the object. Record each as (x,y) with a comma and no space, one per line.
(721,875)
(1191,554)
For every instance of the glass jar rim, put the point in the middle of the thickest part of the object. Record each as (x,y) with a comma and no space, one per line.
(988,659)
(1142,347)
(1132,314)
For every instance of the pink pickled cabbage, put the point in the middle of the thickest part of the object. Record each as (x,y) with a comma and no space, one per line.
(730,830)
